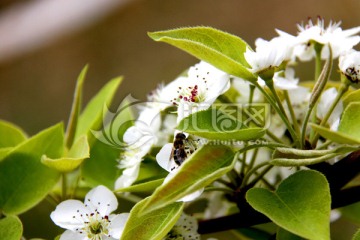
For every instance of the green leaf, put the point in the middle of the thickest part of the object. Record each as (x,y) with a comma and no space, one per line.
(91,117)
(152,225)
(349,123)
(10,228)
(213,124)
(10,135)
(24,180)
(101,168)
(282,234)
(334,136)
(298,157)
(203,167)
(221,49)
(77,154)
(301,204)
(75,109)
(353,96)
(356,235)
(351,212)
(149,186)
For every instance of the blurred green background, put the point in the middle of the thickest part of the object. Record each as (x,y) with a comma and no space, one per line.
(38,68)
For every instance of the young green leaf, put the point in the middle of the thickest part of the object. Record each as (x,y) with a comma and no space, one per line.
(356,235)
(213,124)
(353,96)
(91,117)
(298,157)
(282,234)
(349,123)
(152,225)
(335,136)
(149,186)
(77,154)
(203,167)
(301,204)
(24,180)
(10,135)
(221,49)
(10,228)
(75,109)
(101,168)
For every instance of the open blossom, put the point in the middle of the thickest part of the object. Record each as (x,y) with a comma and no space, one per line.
(340,40)
(91,220)
(349,65)
(268,54)
(185,229)
(139,139)
(197,91)
(325,102)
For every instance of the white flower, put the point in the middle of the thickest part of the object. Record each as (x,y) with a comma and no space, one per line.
(349,65)
(203,84)
(340,40)
(139,138)
(92,219)
(268,54)
(185,229)
(325,102)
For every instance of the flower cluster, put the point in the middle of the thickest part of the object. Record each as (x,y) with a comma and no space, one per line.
(304,126)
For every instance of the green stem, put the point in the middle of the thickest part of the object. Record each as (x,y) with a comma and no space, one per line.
(318,48)
(278,110)
(64,186)
(261,175)
(292,113)
(226,190)
(253,158)
(251,171)
(343,89)
(51,200)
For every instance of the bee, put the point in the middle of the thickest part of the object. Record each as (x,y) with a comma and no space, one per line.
(182,148)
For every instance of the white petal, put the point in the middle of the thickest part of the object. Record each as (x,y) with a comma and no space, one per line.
(70,235)
(163,157)
(101,199)
(128,177)
(191,196)
(68,214)
(117,224)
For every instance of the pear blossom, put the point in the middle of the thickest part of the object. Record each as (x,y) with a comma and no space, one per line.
(325,102)
(197,91)
(268,54)
(185,228)
(91,220)
(349,65)
(340,40)
(139,138)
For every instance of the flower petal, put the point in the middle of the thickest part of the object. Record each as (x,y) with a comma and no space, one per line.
(70,235)
(163,157)
(69,214)
(117,224)
(101,199)
(128,177)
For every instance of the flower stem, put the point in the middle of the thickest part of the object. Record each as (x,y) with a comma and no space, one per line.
(64,186)
(261,175)
(292,113)
(343,89)
(281,111)
(226,190)
(251,171)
